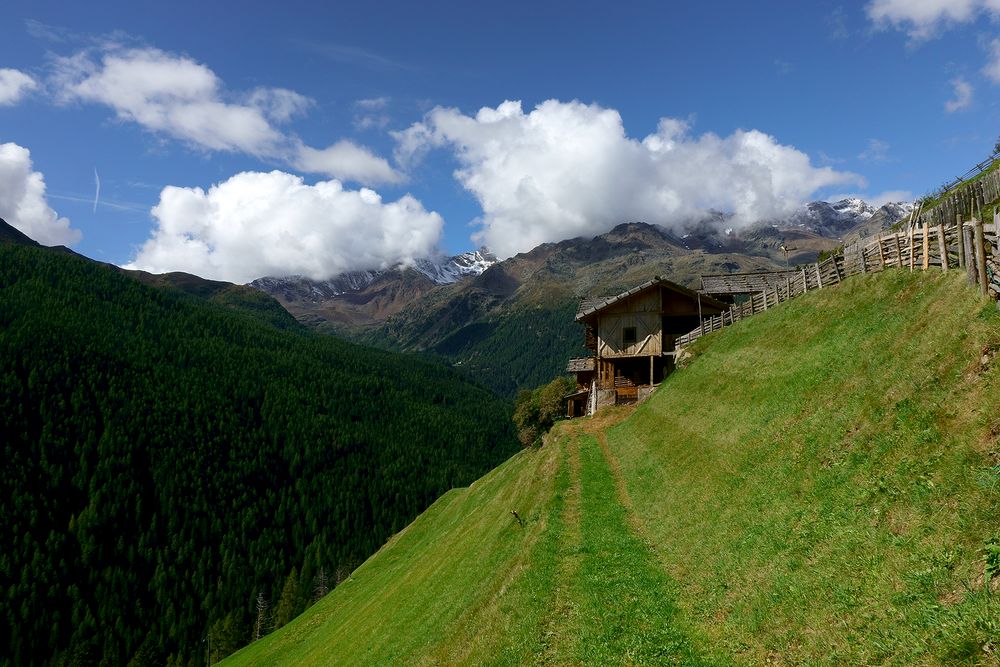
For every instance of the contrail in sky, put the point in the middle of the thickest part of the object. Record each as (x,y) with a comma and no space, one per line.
(97,190)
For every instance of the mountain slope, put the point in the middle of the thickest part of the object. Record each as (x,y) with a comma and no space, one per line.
(512,326)
(820,485)
(169,459)
(475,313)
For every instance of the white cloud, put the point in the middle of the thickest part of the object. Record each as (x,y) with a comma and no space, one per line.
(23,203)
(181,98)
(279,104)
(257,224)
(569,169)
(170,94)
(876,151)
(14,84)
(963,95)
(922,19)
(371,115)
(992,68)
(372,103)
(345,160)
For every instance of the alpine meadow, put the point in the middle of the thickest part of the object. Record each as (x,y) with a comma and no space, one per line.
(474,333)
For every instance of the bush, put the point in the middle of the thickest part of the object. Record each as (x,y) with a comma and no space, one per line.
(536,410)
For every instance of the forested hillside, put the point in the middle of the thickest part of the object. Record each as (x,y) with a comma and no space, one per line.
(170,463)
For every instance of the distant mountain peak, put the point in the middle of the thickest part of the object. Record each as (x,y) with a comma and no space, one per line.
(442,270)
(446,270)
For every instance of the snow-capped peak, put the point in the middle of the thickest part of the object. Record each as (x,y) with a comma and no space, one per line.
(854,207)
(449,269)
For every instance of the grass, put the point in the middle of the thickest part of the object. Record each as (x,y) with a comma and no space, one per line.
(835,459)
(821,485)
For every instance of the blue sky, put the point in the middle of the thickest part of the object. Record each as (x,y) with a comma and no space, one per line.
(627,111)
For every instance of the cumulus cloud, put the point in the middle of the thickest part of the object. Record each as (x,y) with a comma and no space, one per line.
(346,160)
(259,224)
(170,94)
(23,203)
(922,19)
(14,85)
(178,97)
(962,91)
(569,169)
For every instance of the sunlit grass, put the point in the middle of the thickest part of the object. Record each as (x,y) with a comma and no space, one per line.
(820,485)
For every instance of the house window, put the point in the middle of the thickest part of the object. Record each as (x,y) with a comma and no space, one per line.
(628,336)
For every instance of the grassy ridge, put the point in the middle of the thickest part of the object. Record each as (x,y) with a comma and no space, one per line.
(818,486)
(824,478)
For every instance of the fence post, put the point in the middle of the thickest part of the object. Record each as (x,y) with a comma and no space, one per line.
(881,255)
(819,278)
(961,240)
(996,230)
(980,255)
(970,262)
(942,247)
(861,257)
(912,249)
(926,246)
(899,249)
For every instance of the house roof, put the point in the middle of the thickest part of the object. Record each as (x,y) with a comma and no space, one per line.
(745,283)
(590,306)
(580,365)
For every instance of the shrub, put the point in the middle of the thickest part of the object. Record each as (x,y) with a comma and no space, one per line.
(536,410)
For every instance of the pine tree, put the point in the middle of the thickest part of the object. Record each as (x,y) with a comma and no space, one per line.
(288,603)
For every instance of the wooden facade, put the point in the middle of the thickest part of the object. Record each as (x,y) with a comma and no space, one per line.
(631,337)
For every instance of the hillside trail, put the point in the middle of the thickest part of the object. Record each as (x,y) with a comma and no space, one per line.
(612,601)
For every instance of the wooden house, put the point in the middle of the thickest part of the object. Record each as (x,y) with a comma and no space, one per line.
(631,340)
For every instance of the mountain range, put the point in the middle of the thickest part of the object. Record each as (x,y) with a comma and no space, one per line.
(473,310)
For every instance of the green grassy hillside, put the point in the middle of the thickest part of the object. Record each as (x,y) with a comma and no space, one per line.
(820,485)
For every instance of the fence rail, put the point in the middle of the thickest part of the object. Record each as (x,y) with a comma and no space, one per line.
(969,245)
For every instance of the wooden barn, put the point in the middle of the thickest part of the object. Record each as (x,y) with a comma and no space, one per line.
(631,338)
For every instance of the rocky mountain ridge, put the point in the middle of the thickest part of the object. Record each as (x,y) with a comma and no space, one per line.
(478,313)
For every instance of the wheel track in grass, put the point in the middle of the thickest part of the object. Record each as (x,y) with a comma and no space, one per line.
(558,641)
(628,612)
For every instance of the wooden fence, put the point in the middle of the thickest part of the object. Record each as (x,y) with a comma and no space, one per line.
(970,246)
(964,202)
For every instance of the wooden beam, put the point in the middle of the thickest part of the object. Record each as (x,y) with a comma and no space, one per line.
(913,251)
(961,240)
(980,242)
(942,247)
(926,247)
(970,262)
